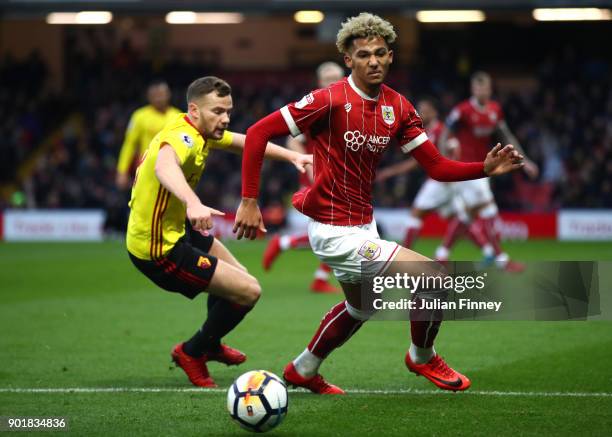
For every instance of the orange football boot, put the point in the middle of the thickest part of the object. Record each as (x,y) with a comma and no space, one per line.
(438,372)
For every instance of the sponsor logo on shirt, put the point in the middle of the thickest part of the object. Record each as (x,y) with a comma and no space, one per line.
(355,140)
(304,101)
(369,250)
(388,114)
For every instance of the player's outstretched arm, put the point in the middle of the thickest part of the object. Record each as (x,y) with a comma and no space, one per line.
(170,175)
(248,217)
(273,151)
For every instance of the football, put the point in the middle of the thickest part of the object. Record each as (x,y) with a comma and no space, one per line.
(257,400)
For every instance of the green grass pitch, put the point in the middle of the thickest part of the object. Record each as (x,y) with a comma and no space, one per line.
(80,316)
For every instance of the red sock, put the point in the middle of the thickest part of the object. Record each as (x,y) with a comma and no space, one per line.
(325,268)
(336,327)
(453,231)
(424,325)
(477,235)
(488,227)
(411,235)
(299,241)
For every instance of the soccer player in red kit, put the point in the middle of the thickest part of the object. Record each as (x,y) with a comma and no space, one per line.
(434,195)
(474,123)
(327,74)
(352,122)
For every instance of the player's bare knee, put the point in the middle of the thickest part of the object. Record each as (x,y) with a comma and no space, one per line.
(250,293)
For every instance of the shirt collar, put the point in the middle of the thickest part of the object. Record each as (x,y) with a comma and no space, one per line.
(358,91)
(188,120)
(474,102)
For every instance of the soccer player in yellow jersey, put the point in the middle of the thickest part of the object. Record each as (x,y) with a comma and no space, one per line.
(144,124)
(167,236)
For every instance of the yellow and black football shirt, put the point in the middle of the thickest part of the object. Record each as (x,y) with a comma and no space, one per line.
(157,217)
(144,124)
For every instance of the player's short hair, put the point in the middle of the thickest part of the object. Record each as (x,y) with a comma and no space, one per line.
(364,25)
(329,66)
(481,76)
(206,85)
(157,82)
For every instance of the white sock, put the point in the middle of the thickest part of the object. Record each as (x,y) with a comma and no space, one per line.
(442,253)
(321,274)
(414,222)
(487,250)
(285,242)
(502,260)
(421,355)
(307,364)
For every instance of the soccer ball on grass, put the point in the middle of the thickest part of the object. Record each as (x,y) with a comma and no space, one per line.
(257,400)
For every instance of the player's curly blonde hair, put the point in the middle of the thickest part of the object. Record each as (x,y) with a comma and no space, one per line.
(364,25)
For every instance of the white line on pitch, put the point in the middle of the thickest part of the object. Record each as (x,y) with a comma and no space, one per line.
(350,391)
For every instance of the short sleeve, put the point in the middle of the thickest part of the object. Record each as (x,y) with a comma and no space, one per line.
(182,143)
(411,133)
(300,115)
(224,142)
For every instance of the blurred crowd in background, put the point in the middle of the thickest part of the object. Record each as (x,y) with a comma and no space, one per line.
(564,123)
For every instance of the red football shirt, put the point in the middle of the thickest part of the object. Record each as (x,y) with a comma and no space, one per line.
(308,149)
(349,131)
(474,126)
(434,130)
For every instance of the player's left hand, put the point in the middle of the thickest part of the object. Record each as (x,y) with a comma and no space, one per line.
(531,169)
(248,220)
(502,160)
(301,161)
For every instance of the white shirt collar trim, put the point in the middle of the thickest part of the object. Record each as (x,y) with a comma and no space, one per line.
(358,91)
(476,105)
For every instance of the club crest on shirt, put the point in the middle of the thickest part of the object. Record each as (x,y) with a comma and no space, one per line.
(348,107)
(388,114)
(369,250)
(203,262)
(187,140)
(304,101)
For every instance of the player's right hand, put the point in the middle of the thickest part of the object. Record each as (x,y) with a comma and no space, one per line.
(248,220)
(200,216)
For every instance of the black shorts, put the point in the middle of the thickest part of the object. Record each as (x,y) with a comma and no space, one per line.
(186,269)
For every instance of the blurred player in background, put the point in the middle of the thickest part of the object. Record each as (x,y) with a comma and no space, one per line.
(352,122)
(144,124)
(474,123)
(327,73)
(182,257)
(434,195)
